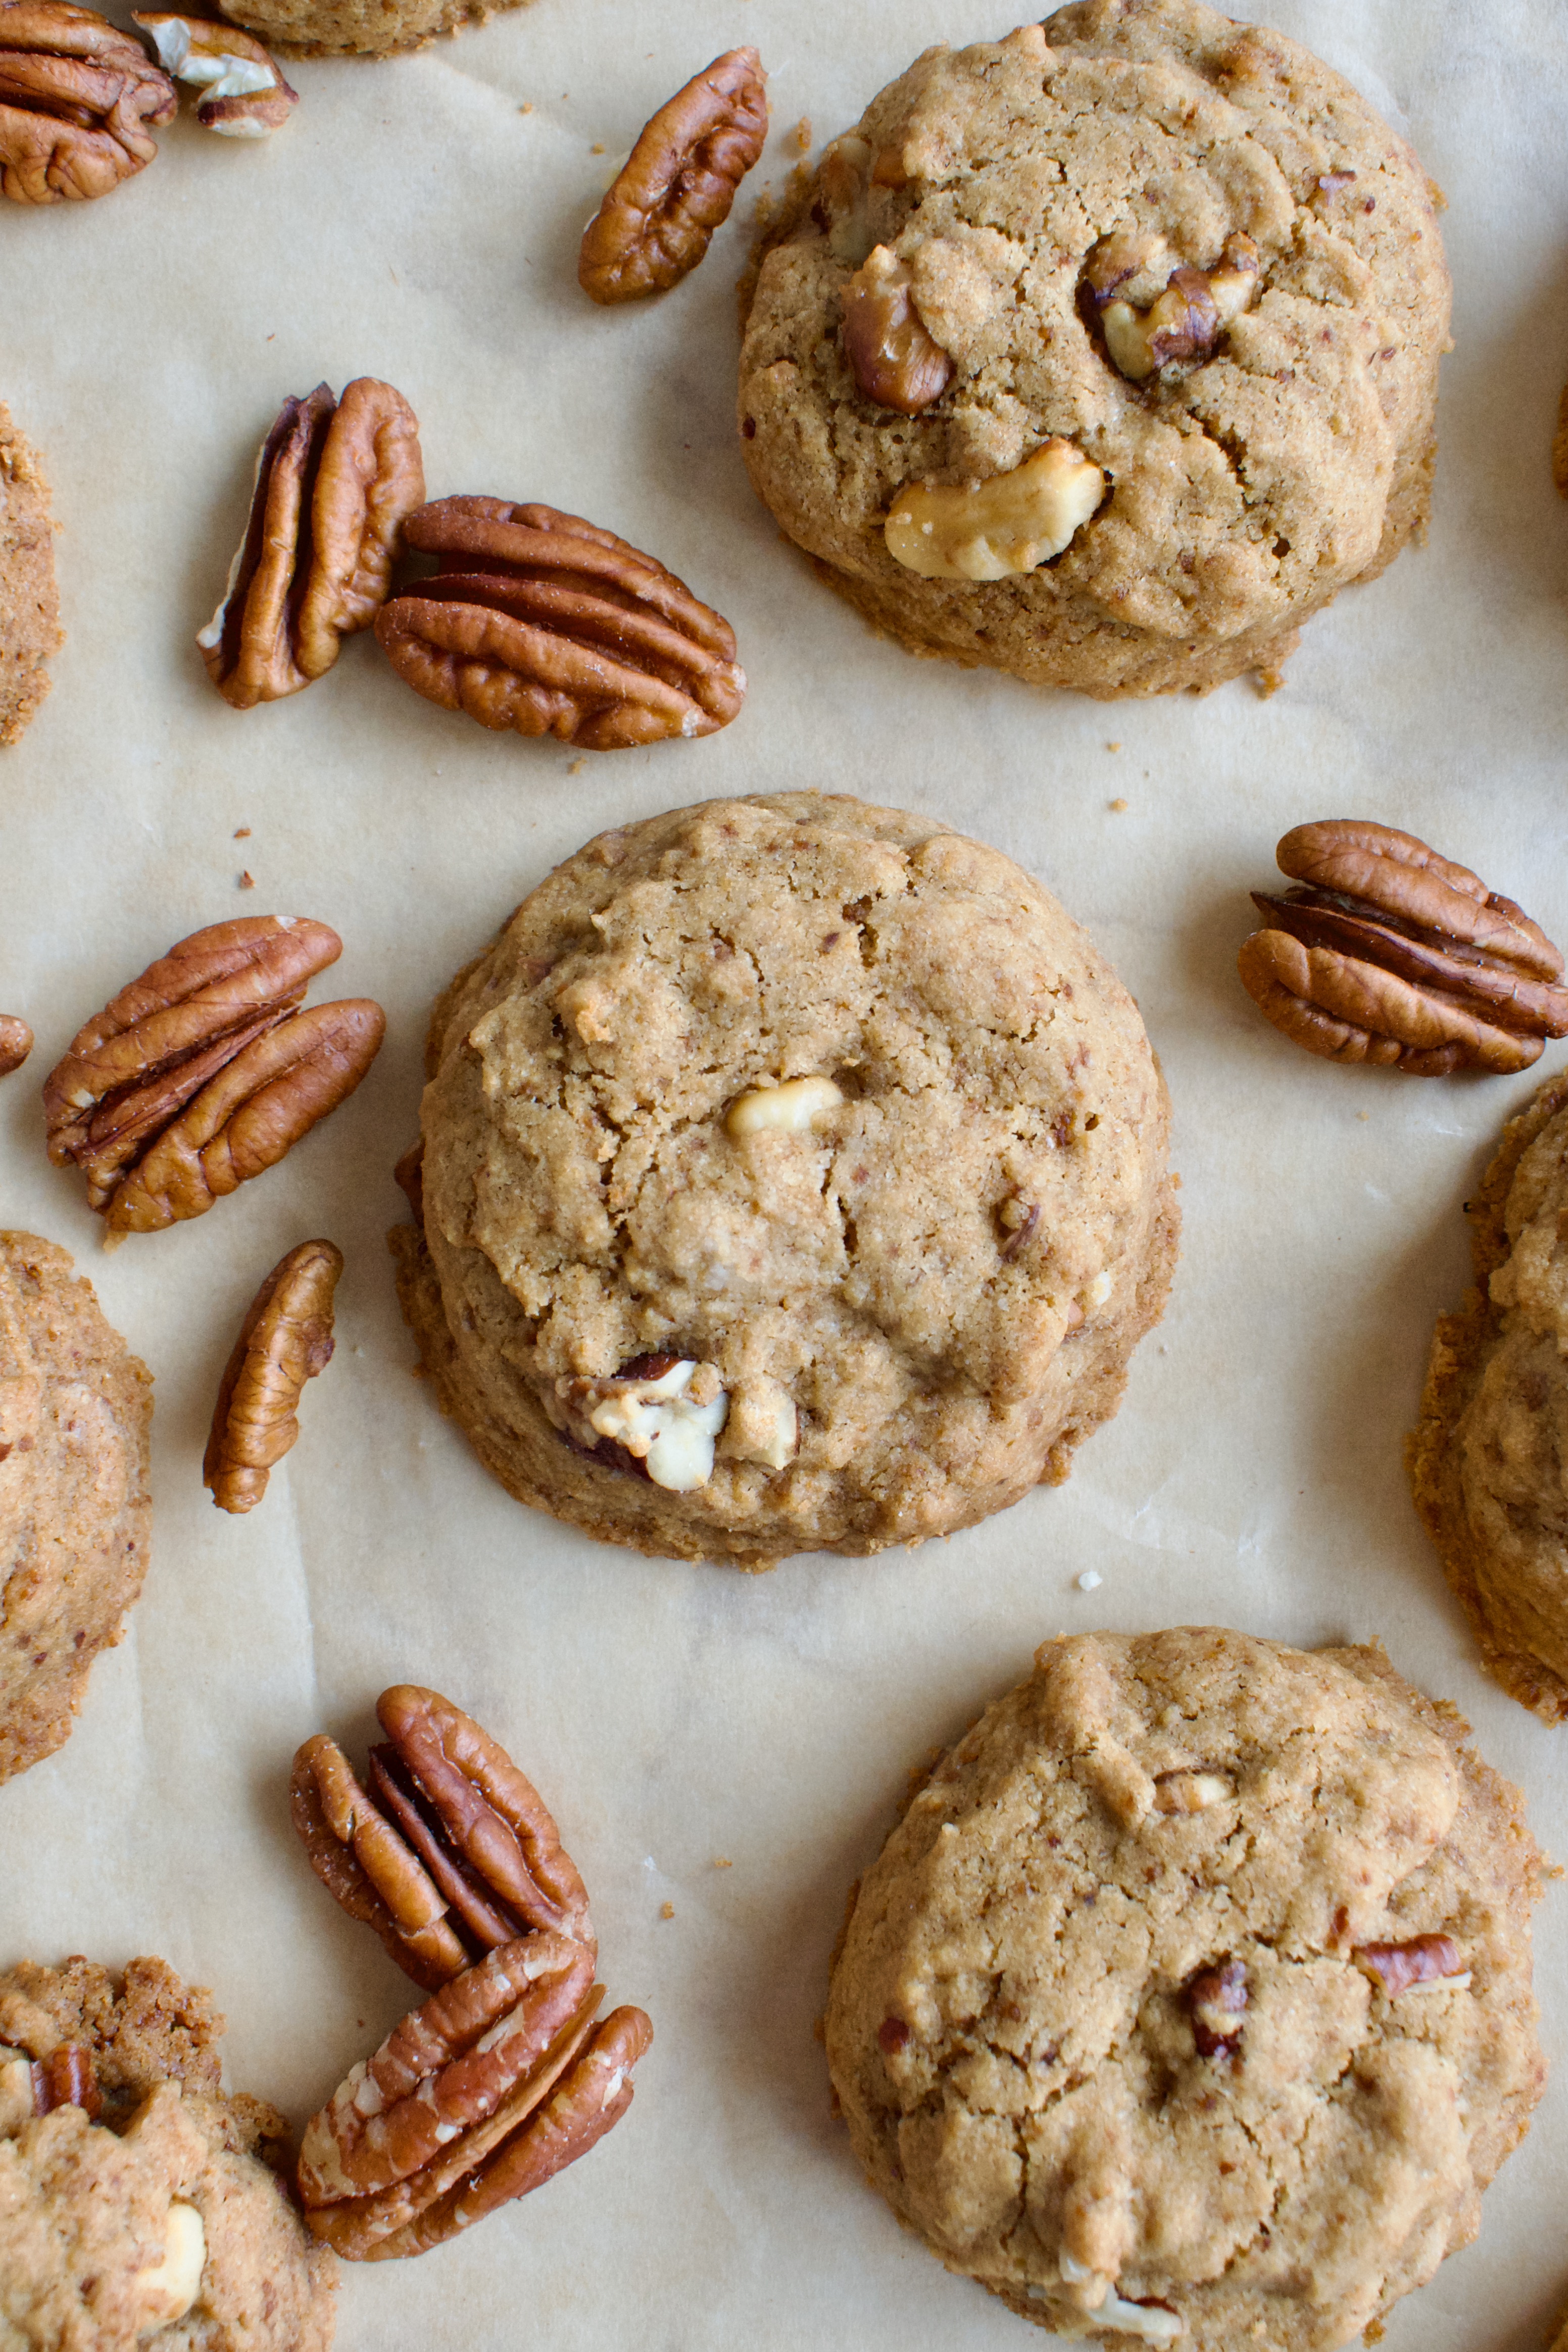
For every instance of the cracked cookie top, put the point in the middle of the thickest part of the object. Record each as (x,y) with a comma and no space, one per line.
(794,1175)
(1184,248)
(1190,2000)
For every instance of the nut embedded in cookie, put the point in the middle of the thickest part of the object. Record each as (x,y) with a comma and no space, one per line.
(678,183)
(1012,523)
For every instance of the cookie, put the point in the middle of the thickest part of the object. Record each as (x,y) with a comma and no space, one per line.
(29,608)
(1488,1456)
(369,29)
(76,1407)
(793,1178)
(133,2208)
(1139,185)
(1190,2002)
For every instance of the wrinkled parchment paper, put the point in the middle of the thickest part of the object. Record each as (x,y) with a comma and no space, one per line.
(418,220)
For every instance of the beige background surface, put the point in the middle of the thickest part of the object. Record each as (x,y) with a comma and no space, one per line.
(415,222)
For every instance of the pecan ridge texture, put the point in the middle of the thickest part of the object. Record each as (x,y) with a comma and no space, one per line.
(285,1340)
(677,184)
(78,102)
(16,1043)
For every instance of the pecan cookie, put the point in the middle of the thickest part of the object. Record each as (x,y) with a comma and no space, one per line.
(794,1177)
(369,29)
(1488,1457)
(29,608)
(133,2208)
(76,1407)
(1104,353)
(1190,2002)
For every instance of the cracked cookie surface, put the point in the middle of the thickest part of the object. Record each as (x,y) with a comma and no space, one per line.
(1246,487)
(75,1517)
(1111,2020)
(902,1290)
(1488,1457)
(29,607)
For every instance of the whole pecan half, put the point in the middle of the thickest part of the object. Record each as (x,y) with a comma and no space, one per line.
(1388,953)
(677,184)
(892,354)
(452,1855)
(541,621)
(285,1340)
(16,1043)
(78,102)
(334,483)
(245,94)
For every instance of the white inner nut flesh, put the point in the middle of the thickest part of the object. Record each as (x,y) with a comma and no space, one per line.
(669,1423)
(1012,523)
(167,2288)
(1189,1792)
(788,1109)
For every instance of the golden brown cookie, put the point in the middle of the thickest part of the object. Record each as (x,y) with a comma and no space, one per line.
(793,1178)
(1190,2002)
(76,1407)
(29,608)
(371,29)
(133,2210)
(1488,1456)
(1104,353)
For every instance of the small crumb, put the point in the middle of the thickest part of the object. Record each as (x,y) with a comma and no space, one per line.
(667,1911)
(802,135)
(1366,1114)
(575,766)
(527,107)
(248,881)
(242,833)
(1114,747)
(1268,681)
(1119,808)
(597,148)
(1089,1579)
(722,1861)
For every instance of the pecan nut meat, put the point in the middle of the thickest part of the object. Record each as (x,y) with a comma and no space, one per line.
(1424,1962)
(1183,320)
(243,95)
(1391,954)
(79,103)
(16,1043)
(541,621)
(893,356)
(334,483)
(285,1340)
(677,184)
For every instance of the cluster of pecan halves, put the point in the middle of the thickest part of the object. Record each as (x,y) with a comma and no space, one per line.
(501,2078)
(1389,953)
(677,184)
(285,1340)
(203,1072)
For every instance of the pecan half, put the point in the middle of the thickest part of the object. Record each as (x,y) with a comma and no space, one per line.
(79,103)
(892,354)
(285,1340)
(455,1854)
(334,483)
(16,1043)
(1185,320)
(1424,1959)
(677,184)
(1216,2003)
(541,621)
(246,96)
(1391,954)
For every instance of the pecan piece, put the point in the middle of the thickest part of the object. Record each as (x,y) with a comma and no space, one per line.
(541,621)
(66,2078)
(334,483)
(1010,523)
(677,184)
(285,1340)
(246,96)
(1424,1961)
(1216,2003)
(1388,953)
(79,103)
(365,1866)
(1185,320)
(16,1043)
(893,356)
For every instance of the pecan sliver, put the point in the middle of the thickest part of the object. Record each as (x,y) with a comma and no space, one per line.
(1424,1959)
(677,184)
(285,1340)
(365,1866)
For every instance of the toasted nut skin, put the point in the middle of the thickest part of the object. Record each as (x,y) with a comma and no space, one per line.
(1401,878)
(285,1340)
(678,183)
(246,95)
(1216,2002)
(78,102)
(892,354)
(540,622)
(366,1867)
(1424,1959)
(66,2078)
(1185,320)
(1010,523)
(334,483)
(16,1043)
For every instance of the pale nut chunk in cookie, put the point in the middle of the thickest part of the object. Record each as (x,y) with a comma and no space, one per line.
(1011,524)
(1186,319)
(790,1109)
(78,102)
(243,95)
(1190,1792)
(16,1043)
(285,1340)
(678,183)
(843,210)
(165,2290)
(667,1418)
(893,356)
(763,1424)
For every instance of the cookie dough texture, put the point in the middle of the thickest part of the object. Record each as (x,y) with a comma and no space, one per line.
(76,1408)
(372,28)
(1246,491)
(1010,2028)
(1488,1457)
(933,1290)
(85,2205)
(29,607)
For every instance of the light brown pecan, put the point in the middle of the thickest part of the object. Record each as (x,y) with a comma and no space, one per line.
(453,1852)
(285,1340)
(333,482)
(1424,1959)
(244,95)
(78,102)
(16,1043)
(678,183)
(1145,330)
(1216,2003)
(66,2078)
(892,354)
(541,621)
(1388,953)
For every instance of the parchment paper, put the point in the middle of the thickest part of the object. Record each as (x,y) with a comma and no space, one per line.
(418,221)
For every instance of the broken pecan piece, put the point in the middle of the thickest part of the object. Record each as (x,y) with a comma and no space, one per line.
(285,1340)
(541,621)
(245,94)
(1424,1961)
(334,483)
(1185,320)
(1388,953)
(893,356)
(677,184)
(1216,2003)
(16,1043)
(79,103)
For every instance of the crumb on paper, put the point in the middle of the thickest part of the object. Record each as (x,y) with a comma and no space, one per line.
(1114,747)
(722,1861)
(242,833)
(802,135)
(527,107)
(248,882)
(575,766)
(597,148)
(1269,681)
(1089,1579)
(1119,808)
(666,1910)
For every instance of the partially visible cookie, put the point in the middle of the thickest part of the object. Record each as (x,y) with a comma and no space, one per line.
(1190,2002)
(370,29)
(133,2210)
(1560,465)
(1488,1456)
(76,1407)
(29,608)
